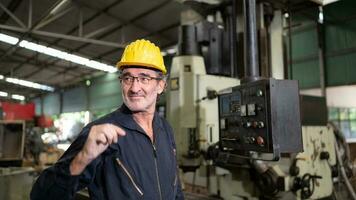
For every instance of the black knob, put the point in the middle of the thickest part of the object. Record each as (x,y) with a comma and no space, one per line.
(294,170)
(324,155)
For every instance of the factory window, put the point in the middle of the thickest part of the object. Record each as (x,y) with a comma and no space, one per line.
(345,119)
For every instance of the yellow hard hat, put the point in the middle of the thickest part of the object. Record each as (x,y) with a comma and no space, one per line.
(142,53)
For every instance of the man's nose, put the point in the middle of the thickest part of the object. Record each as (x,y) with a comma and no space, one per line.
(135,85)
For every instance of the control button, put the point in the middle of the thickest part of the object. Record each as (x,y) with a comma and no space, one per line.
(223,123)
(249,140)
(243,111)
(259,93)
(247,124)
(251,109)
(260,141)
(260,124)
(254,124)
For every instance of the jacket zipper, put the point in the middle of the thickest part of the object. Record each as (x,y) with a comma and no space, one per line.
(130,177)
(175,181)
(157,176)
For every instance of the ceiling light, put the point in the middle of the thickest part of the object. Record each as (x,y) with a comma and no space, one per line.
(324,2)
(3,94)
(8,39)
(1,77)
(67,56)
(18,97)
(171,51)
(29,84)
(13,96)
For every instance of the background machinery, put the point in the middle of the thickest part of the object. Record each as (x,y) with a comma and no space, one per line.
(245,137)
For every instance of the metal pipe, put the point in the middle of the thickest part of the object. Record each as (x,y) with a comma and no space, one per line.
(16,19)
(290,55)
(80,26)
(52,18)
(99,31)
(62,36)
(250,42)
(232,36)
(30,10)
(321,52)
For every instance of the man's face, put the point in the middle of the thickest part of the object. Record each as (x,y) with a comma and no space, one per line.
(138,95)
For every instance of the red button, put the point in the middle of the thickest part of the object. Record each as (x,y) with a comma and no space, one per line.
(260,141)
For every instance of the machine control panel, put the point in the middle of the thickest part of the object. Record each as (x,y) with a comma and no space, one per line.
(260,117)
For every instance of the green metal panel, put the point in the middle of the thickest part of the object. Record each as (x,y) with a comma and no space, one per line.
(341,70)
(51,104)
(307,73)
(340,10)
(74,100)
(105,93)
(106,102)
(105,78)
(304,44)
(340,43)
(307,15)
(340,36)
(104,89)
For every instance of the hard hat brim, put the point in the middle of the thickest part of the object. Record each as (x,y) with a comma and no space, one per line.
(122,65)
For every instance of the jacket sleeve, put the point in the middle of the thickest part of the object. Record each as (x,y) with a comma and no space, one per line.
(56,182)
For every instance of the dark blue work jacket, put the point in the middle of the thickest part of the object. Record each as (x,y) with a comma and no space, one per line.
(132,168)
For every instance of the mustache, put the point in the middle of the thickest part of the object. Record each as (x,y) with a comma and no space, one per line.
(135,94)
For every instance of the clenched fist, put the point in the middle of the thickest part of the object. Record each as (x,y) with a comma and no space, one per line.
(99,139)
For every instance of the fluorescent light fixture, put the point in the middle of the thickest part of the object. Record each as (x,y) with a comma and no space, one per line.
(1,77)
(29,84)
(8,39)
(324,2)
(13,96)
(18,97)
(3,94)
(67,56)
(171,51)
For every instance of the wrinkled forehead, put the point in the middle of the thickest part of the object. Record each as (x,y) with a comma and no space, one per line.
(139,71)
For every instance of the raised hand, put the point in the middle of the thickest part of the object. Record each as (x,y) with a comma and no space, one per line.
(99,139)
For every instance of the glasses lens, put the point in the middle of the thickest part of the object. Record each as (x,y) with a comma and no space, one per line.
(144,80)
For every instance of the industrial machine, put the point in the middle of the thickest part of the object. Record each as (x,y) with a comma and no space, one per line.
(248,138)
(12,142)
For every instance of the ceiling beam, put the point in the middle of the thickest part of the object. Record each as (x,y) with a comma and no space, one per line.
(72,31)
(42,64)
(12,15)
(174,25)
(130,21)
(13,5)
(61,36)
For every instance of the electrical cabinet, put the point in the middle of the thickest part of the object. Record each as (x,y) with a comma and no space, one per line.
(261,119)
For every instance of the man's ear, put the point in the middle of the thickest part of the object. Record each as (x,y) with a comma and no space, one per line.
(162,87)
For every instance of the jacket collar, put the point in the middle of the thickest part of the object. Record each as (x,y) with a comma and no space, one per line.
(123,117)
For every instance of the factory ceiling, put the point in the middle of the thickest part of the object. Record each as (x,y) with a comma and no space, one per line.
(95,30)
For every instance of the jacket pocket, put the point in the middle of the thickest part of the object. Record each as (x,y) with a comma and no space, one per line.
(129,176)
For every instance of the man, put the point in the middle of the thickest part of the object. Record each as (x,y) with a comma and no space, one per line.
(128,154)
